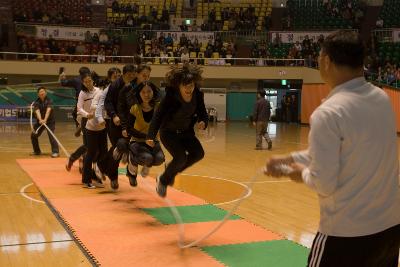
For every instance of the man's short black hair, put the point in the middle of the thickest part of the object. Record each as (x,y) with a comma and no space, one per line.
(40,88)
(83,70)
(345,48)
(128,68)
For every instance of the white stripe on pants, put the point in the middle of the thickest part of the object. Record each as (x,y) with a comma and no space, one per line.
(317,250)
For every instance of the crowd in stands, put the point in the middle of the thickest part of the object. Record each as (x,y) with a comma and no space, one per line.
(99,46)
(72,12)
(238,19)
(129,15)
(268,52)
(348,9)
(171,50)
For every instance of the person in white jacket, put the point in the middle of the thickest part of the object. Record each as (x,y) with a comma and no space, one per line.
(351,163)
(95,134)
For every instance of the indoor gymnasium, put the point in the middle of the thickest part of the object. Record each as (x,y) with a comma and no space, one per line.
(237,133)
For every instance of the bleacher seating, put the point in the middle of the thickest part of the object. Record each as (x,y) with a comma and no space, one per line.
(389,13)
(72,12)
(262,8)
(138,9)
(312,15)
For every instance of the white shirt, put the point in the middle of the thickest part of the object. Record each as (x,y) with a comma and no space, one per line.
(87,103)
(352,161)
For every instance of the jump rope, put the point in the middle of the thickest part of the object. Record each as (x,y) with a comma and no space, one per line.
(170,203)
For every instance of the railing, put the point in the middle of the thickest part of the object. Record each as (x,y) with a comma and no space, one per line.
(384,35)
(39,57)
(388,81)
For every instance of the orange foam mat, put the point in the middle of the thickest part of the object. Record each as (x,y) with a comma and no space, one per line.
(115,230)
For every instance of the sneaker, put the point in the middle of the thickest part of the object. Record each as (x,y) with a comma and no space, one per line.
(69,164)
(98,172)
(114,184)
(77,131)
(132,168)
(98,183)
(132,180)
(35,153)
(117,154)
(269,145)
(160,188)
(145,171)
(55,155)
(89,186)
(80,165)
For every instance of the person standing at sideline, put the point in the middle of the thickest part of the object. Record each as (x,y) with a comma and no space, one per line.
(351,163)
(261,114)
(44,115)
(179,111)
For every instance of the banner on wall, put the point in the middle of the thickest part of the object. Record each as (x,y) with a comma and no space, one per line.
(396,35)
(203,37)
(68,33)
(292,37)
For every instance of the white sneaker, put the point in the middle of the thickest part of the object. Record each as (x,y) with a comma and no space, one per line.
(145,171)
(98,184)
(89,186)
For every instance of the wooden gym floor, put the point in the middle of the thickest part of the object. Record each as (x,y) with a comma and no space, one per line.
(30,234)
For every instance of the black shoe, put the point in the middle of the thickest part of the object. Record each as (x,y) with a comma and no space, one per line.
(77,131)
(89,186)
(114,184)
(132,180)
(69,164)
(269,145)
(160,188)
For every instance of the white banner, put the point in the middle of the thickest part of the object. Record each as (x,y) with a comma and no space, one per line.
(67,33)
(292,37)
(396,35)
(203,37)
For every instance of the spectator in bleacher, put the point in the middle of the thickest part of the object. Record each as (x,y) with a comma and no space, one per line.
(115,6)
(379,23)
(277,40)
(185,56)
(172,8)
(43,111)
(101,56)
(168,40)
(88,37)
(103,38)
(45,18)
(80,49)
(95,38)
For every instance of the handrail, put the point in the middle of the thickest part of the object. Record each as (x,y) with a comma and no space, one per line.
(154,60)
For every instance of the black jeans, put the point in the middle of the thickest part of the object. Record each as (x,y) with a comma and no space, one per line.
(96,142)
(114,133)
(185,150)
(35,137)
(80,151)
(145,155)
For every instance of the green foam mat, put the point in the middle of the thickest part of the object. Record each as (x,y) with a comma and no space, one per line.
(189,214)
(282,253)
(121,171)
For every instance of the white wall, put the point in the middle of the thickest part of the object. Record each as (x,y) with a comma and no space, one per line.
(216,100)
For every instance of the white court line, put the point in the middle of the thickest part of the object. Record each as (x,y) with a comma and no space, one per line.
(22,191)
(249,191)
(265,182)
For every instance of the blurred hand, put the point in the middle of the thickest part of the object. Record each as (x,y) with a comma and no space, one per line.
(273,165)
(125,133)
(201,125)
(254,123)
(296,174)
(150,143)
(90,116)
(116,121)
